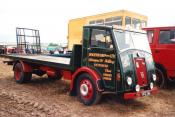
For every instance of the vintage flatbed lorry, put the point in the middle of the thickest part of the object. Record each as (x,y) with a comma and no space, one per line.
(108,60)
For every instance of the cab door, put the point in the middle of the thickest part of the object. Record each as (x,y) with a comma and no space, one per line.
(101,55)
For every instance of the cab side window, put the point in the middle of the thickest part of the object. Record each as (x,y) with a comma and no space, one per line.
(150,35)
(167,37)
(101,39)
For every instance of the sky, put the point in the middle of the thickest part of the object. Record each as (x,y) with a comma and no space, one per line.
(51,17)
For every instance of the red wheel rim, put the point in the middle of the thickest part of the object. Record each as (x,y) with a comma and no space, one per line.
(17,73)
(86,89)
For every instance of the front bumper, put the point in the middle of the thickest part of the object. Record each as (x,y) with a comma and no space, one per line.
(141,93)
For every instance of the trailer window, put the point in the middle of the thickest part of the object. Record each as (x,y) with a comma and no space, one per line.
(143,23)
(136,23)
(150,35)
(97,22)
(127,21)
(113,21)
(92,22)
(100,22)
(101,39)
(167,36)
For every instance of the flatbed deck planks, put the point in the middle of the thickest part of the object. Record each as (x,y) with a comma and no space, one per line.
(51,61)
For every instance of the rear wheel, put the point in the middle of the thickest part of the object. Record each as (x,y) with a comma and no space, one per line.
(161,80)
(20,76)
(87,90)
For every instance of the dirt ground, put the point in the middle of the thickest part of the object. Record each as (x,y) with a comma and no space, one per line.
(45,98)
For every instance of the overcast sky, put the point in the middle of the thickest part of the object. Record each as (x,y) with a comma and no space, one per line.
(51,16)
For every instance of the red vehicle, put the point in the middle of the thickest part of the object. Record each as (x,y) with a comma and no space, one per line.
(162,43)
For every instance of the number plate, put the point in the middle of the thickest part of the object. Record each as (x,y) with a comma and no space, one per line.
(146,93)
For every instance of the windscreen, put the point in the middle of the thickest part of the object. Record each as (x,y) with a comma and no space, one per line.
(132,40)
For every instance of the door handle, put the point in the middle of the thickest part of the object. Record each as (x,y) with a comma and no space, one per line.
(157,51)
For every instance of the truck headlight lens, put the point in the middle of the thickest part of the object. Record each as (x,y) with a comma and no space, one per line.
(154,77)
(151,85)
(129,80)
(137,88)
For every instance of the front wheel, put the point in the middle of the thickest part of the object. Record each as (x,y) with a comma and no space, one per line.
(161,80)
(87,90)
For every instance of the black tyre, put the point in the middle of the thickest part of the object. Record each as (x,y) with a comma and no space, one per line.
(161,80)
(20,76)
(87,90)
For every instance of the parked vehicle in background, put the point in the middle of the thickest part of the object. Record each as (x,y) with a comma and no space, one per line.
(10,49)
(2,49)
(7,49)
(122,18)
(162,43)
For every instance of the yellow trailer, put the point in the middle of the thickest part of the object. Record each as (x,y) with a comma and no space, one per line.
(121,18)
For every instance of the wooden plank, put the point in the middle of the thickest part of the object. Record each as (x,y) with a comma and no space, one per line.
(50,61)
(45,58)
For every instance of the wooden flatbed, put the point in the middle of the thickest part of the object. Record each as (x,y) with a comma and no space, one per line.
(50,61)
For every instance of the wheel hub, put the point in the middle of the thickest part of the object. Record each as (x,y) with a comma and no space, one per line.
(84,89)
